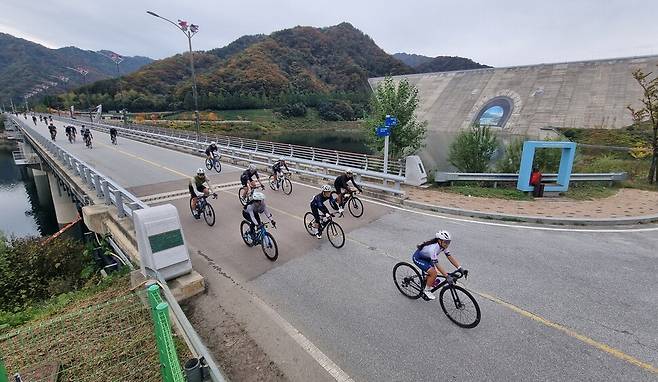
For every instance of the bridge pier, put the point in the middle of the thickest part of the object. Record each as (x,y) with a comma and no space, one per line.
(43,187)
(65,209)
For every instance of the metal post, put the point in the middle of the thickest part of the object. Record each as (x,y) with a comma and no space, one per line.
(105,185)
(97,181)
(118,199)
(385,156)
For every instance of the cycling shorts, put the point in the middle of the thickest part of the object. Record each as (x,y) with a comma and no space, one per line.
(422,262)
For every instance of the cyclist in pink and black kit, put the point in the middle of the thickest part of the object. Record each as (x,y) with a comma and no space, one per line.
(426,258)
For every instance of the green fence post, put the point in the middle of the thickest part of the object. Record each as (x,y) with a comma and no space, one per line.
(169,364)
(3,371)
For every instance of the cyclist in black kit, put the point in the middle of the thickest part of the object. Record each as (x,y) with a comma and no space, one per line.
(342,187)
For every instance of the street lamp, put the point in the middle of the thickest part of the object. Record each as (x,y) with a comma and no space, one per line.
(189,31)
(115,57)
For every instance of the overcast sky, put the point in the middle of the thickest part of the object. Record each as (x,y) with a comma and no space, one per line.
(498,33)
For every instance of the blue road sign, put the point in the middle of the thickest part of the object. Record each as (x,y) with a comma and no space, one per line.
(390,121)
(382,131)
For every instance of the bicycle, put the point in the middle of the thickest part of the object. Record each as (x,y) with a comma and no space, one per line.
(264,238)
(459,305)
(113,138)
(334,231)
(88,142)
(70,136)
(204,208)
(282,181)
(214,163)
(53,134)
(354,204)
(247,194)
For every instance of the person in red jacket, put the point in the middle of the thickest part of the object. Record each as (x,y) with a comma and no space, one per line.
(535,181)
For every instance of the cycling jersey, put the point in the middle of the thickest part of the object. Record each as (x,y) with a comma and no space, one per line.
(247,176)
(253,209)
(428,256)
(68,129)
(197,185)
(341,183)
(211,149)
(317,205)
(113,131)
(277,166)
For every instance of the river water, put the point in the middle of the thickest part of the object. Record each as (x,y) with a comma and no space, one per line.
(21,211)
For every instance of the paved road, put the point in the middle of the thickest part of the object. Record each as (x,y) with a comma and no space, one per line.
(557,304)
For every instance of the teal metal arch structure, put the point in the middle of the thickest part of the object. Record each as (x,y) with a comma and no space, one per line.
(564,173)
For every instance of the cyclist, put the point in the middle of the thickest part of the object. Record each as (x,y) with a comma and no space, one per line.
(34,119)
(342,187)
(276,170)
(67,129)
(198,186)
(50,117)
(53,131)
(113,134)
(317,206)
(426,258)
(211,150)
(86,135)
(73,131)
(247,178)
(40,118)
(251,212)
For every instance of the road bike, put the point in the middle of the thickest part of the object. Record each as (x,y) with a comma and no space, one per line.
(334,231)
(214,163)
(113,138)
(53,134)
(456,302)
(204,208)
(262,237)
(282,181)
(354,204)
(244,196)
(71,137)
(88,142)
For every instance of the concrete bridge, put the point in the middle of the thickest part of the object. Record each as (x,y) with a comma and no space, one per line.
(558,303)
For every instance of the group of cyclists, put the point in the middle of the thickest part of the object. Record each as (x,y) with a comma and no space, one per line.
(71,131)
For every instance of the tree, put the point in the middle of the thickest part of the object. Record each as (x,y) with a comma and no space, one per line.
(401,101)
(473,149)
(648,113)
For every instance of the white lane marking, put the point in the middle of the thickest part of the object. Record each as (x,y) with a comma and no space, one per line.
(464,220)
(330,366)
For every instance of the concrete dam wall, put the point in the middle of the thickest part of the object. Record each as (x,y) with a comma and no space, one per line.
(522,100)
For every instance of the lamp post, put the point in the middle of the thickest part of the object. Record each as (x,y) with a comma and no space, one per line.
(115,57)
(189,31)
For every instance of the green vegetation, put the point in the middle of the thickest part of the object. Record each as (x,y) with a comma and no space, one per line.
(32,270)
(648,114)
(488,192)
(399,100)
(473,149)
(546,160)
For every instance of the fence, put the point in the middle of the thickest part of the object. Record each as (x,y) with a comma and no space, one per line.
(109,336)
(318,163)
(450,177)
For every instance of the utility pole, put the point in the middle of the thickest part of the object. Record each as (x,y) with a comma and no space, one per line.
(189,31)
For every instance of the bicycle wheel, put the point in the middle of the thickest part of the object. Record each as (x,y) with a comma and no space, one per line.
(191,208)
(209,214)
(408,280)
(208,164)
(286,185)
(244,200)
(309,219)
(270,249)
(218,166)
(355,205)
(272,182)
(244,233)
(460,306)
(335,234)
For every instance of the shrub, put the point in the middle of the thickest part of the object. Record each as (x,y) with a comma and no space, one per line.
(336,110)
(547,160)
(293,110)
(473,149)
(31,271)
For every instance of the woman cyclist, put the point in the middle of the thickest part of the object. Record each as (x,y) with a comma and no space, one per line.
(426,258)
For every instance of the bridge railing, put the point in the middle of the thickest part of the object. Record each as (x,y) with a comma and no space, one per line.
(313,162)
(450,177)
(112,193)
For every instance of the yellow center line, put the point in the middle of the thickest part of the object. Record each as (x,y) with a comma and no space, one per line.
(571,333)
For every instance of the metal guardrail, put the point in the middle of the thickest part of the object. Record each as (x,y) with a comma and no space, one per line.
(310,167)
(449,177)
(112,193)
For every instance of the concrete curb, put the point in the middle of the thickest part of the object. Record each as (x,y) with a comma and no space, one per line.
(532,219)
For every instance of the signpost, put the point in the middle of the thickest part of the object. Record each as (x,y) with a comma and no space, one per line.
(385,131)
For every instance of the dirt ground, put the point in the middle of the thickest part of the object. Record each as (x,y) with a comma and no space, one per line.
(235,352)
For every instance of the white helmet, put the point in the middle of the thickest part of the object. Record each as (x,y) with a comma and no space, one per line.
(200,171)
(213,143)
(326,187)
(443,235)
(282,159)
(349,172)
(252,167)
(257,195)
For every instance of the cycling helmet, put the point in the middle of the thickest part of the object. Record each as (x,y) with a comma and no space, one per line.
(326,188)
(258,196)
(443,235)
(252,167)
(200,171)
(282,159)
(213,143)
(349,172)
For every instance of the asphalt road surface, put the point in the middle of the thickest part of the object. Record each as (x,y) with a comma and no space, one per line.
(557,303)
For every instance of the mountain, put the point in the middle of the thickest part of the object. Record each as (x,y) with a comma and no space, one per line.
(301,64)
(424,64)
(25,66)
